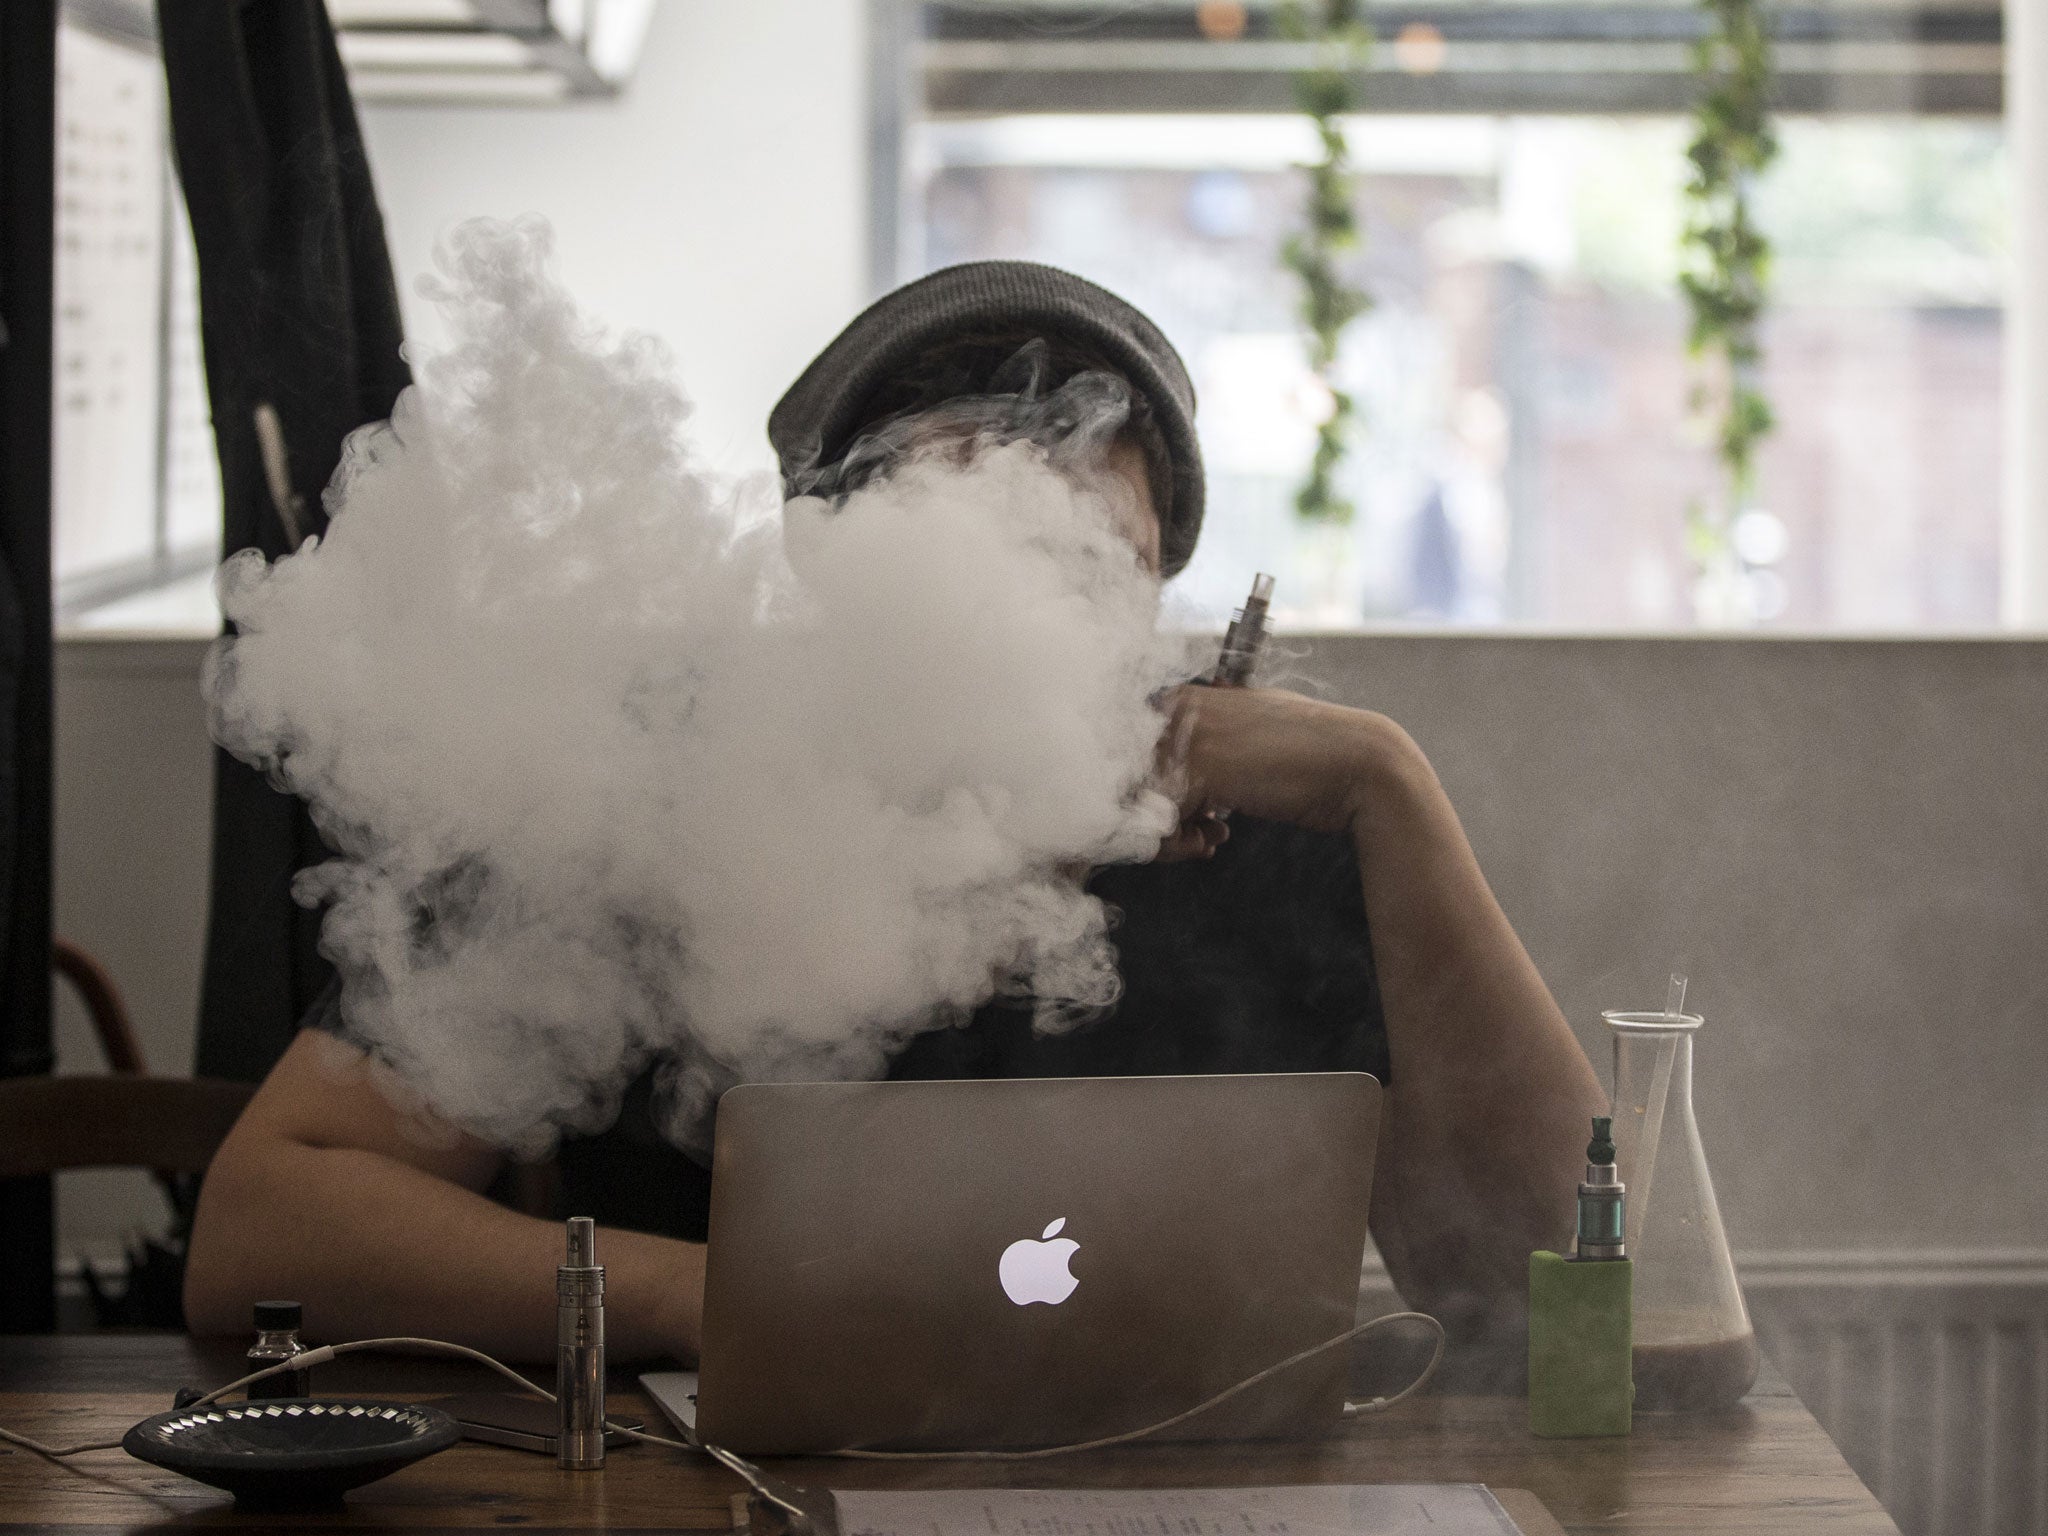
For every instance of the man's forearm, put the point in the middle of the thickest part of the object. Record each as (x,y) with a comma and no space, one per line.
(1491,1093)
(374,1247)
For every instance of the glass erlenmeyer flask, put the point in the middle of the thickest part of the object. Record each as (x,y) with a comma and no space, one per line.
(1694,1347)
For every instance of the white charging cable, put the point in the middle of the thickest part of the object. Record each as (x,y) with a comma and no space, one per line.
(1336,1341)
(782,1495)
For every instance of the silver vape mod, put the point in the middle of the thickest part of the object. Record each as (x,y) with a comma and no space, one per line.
(579,1350)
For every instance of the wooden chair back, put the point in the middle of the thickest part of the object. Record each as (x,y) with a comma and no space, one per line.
(94,984)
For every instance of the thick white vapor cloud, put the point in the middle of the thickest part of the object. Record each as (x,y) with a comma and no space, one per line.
(619,771)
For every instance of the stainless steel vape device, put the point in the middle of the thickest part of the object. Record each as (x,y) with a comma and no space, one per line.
(579,1350)
(1243,640)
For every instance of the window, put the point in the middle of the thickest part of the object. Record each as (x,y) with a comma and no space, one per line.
(1528,453)
(135,482)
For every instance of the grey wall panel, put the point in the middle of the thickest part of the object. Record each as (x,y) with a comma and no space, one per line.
(1845,843)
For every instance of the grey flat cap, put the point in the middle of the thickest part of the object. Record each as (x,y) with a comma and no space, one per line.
(812,423)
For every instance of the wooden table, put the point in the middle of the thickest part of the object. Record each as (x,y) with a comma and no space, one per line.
(1764,1468)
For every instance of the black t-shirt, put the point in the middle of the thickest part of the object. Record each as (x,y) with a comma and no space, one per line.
(1257,960)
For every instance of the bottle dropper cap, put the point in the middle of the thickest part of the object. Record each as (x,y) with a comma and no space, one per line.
(274,1315)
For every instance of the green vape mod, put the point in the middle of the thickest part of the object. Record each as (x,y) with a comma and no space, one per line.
(1580,1313)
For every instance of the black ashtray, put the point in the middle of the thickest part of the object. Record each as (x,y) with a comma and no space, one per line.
(276,1452)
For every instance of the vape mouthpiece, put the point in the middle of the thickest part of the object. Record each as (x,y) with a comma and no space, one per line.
(1246,635)
(1602,1199)
(582,1242)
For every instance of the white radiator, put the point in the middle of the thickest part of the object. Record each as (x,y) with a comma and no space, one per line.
(1929,1371)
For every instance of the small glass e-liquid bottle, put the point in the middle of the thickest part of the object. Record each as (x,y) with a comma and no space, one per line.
(277,1338)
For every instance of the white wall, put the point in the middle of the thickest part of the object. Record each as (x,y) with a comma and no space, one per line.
(720,204)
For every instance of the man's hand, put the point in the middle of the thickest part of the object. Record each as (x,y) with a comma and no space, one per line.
(1269,753)
(1482,1128)
(1198,836)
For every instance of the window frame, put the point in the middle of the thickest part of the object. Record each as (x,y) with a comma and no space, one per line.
(1916,58)
(130,27)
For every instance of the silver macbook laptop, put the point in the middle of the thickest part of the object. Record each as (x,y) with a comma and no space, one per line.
(949,1265)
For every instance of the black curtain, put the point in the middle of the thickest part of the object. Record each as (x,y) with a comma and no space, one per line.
(299,318)
(28,202)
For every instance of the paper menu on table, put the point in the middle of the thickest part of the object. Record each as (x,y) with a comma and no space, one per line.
(1353,1509)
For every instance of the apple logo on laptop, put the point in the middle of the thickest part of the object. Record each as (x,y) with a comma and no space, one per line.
(1034,1270)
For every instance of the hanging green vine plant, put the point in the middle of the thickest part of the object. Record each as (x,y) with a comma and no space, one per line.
(1725,265)
(1329,302)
